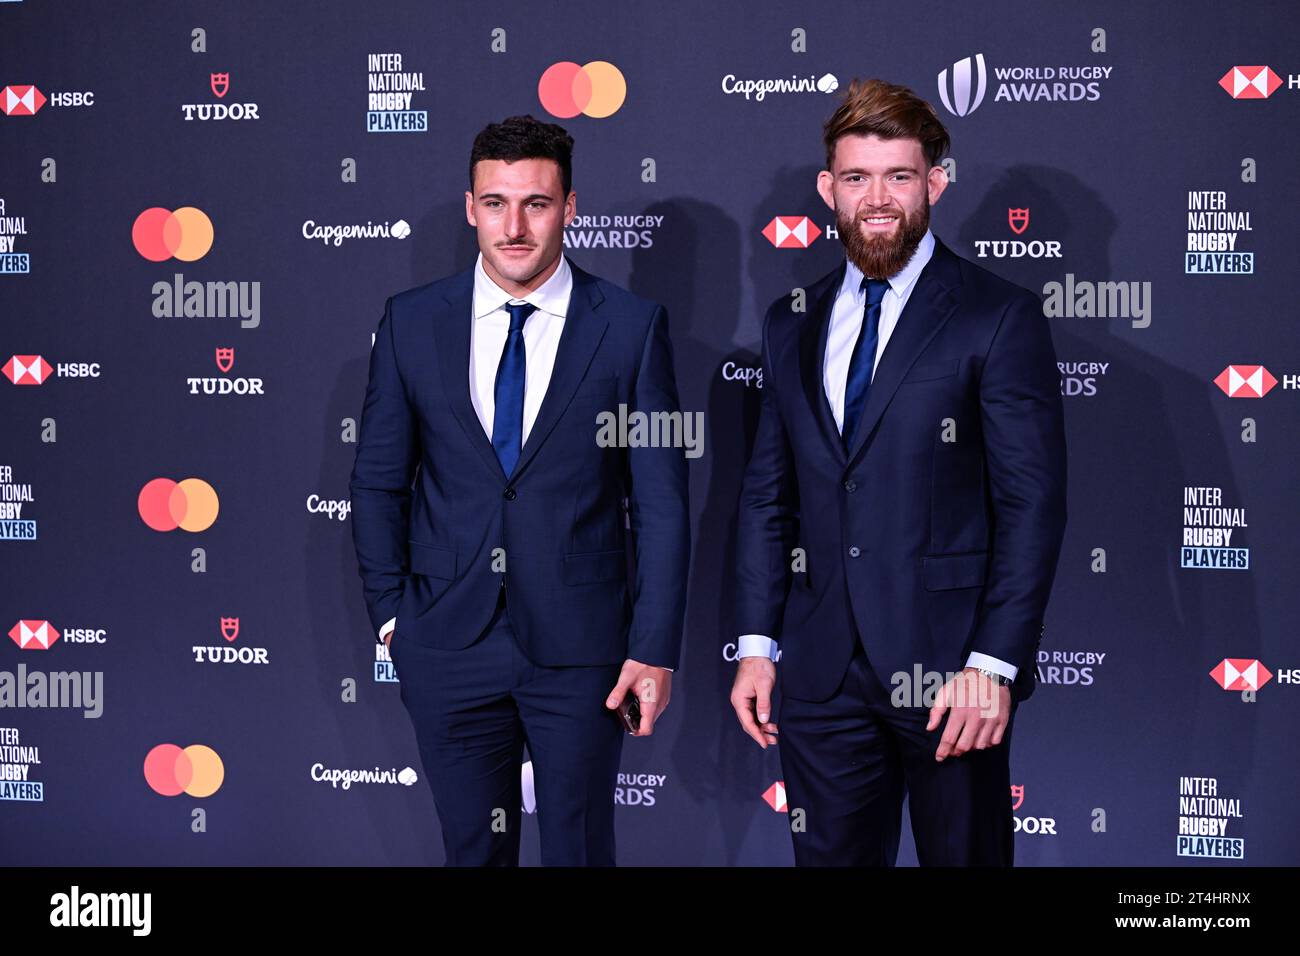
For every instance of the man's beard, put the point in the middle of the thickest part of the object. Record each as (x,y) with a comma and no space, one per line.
(879,257)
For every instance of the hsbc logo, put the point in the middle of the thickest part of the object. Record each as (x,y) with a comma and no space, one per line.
(41,635)
(1236,673)
(27,370)
(21,100)
(791,232)
(774,797)
(34,635)
(34,370)
(27,100)
(1250,82)
(1245,381)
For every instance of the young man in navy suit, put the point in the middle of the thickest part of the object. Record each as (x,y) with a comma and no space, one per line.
(901,515)
(489,521)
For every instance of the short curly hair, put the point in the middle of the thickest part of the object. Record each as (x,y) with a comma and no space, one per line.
(524,137)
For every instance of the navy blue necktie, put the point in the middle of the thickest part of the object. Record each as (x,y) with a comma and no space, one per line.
(863,359)
(508,395)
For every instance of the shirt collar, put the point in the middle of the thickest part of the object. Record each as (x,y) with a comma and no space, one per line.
(552,296)
(901,280)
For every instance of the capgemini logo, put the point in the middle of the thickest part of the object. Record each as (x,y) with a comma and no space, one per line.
(957,95)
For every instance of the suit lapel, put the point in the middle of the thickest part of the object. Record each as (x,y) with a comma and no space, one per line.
(930,305)
(582,332)
(451,335)
(812,349)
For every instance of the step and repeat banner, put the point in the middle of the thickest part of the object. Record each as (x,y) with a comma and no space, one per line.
(204,206)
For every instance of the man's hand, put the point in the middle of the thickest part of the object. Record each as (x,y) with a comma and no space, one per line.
(751,697)
(388,640)
(652,686)
(981,709)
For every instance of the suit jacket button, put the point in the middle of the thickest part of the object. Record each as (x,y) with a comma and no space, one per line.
(509,494)
(854,551)
(850,486)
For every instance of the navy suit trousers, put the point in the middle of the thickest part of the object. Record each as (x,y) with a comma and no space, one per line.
(474,710)
(849,760)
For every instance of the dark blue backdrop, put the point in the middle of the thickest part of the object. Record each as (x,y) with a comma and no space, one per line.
(1130,716)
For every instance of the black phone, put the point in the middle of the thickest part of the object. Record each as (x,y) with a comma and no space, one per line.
(630,711)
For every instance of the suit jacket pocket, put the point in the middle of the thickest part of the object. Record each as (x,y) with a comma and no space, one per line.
(593,566)
(598,389)
(930,371)
(945,572)
(432,561)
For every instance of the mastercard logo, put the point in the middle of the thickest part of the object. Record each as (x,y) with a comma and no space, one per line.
(160,234)
(567,89)
(166,505)
(195,770)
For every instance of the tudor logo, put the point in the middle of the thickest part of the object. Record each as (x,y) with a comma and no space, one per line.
(230,628)
(225,359)
(220,82)
(1018,220)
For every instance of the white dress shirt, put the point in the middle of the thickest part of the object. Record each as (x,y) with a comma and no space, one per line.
(845,325)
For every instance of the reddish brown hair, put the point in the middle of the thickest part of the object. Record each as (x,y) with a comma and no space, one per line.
(891,112)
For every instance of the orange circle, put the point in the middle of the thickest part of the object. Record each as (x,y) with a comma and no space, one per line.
(195,234)
(194,504)
(207,773)
(608,89)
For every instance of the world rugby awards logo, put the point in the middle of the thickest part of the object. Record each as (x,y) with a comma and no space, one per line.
(956,92)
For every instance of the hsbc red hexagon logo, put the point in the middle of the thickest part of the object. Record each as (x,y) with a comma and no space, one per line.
(27,370)
(1237,673)
(34,635)
(21,100)
(1250,82)
(1245,381)
(791,232)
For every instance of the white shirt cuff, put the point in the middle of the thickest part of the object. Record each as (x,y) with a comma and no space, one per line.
(976,659)
(388,627)
(756,645)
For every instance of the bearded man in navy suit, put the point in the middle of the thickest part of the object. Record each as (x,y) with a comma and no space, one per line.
(491,525)
(901,516)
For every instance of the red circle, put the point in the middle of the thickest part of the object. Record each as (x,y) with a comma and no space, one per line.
(150,234)
(160,766)
(154,504)
(558,87)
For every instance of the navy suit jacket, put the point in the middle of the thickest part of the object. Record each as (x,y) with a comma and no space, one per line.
(936,547)
(434,514)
